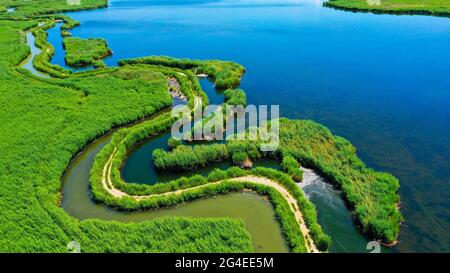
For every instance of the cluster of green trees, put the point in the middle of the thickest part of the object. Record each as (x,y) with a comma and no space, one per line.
(235,97)
(184,157)
(291,166)
(82,52)
(429,7)
(372,195)
(172,143)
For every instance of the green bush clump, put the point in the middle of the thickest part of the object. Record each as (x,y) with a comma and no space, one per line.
(249,148)
(239,158)
(184,158)
(82,52)
(65,33)
(235,97)
(291,166)
(225,74)
(173,143)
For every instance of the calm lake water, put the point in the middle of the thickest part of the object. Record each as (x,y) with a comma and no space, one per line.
(381,81)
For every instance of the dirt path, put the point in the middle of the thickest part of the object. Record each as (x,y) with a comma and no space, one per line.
(109,186)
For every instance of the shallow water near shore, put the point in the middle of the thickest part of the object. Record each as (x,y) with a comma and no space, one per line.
(381,81)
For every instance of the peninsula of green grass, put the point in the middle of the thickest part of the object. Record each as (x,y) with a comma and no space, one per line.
(425,7)
(83,52)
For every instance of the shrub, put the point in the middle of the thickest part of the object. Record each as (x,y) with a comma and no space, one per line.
(173,143)
(189,157)
(235,97)
(291,166)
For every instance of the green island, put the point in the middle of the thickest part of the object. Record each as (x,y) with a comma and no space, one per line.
(428,7)
(83,52)
(45,122)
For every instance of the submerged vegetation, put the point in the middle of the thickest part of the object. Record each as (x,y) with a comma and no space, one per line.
(428,7)
(45,122)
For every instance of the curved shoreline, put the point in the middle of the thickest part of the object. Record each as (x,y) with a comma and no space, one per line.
(27,63)
(381,11)
(195,102)
(108,185)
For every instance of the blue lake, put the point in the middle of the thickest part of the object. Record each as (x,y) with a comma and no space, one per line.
(381,81)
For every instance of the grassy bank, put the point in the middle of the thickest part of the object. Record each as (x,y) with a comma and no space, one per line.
(428,7)
(174,235)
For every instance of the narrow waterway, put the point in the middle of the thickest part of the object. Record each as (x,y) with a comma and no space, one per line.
(254,210)
(361,75)
(28,63)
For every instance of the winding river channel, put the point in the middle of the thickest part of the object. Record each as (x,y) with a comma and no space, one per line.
(361,75)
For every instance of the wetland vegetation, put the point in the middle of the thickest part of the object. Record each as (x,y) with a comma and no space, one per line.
(429,7)
(48,121)
(83,52)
